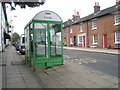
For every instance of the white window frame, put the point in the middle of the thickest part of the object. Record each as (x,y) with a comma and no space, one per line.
(80,40)
(81,27)
(94,24)
(117,37)
(71,29)
(83,34)
(117,18)
(71,40)
(94,42)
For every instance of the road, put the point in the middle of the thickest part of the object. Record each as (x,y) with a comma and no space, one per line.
(106,63)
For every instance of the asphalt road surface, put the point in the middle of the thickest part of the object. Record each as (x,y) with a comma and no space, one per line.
(106,63)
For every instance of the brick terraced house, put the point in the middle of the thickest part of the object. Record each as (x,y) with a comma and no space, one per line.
(100,29)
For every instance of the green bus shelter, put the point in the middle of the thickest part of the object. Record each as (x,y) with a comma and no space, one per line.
(43,40)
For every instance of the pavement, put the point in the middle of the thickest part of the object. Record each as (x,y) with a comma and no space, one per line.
(70,75)
(97,50)
(0,70)
(15,73)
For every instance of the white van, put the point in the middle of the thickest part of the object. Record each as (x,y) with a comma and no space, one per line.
(22,44)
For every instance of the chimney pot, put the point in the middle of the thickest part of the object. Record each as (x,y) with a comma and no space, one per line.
(96,3)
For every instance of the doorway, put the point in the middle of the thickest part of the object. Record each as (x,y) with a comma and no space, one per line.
(83,41)
(105,45)
(74,40)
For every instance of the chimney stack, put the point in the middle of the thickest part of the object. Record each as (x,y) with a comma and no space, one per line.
(96,7)
(117,2)
(76,16)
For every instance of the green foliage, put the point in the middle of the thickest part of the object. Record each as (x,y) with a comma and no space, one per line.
(8,25)
(15,37)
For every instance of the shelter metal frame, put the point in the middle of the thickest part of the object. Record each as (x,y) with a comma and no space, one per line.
(44,40)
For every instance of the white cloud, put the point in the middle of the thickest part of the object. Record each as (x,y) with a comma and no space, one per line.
(62,7)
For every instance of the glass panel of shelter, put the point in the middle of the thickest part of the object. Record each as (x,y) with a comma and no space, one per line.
(27,43)
(55,40)
(41,40)
(31,38)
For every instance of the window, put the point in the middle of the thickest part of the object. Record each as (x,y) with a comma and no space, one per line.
(81,27)
(71,40)
(94,24)
(117,18)
(70,29)
(80,39)
(117,37)
(95,39)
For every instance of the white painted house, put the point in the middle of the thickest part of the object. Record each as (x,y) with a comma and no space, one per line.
(4,36)
(2,24)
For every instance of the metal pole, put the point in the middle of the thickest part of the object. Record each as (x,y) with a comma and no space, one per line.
(48,31)
(1,29)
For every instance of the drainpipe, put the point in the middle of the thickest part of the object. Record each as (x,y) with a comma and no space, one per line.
(87,39)
(67,40)
(67,37)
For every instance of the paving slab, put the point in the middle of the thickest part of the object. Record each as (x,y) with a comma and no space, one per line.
(52,83)
(16,85)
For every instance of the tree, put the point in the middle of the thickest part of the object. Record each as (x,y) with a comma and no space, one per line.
(15,37)
(23,3)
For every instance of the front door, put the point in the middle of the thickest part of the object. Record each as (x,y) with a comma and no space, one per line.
(105,41)
(83,41)
(74,40)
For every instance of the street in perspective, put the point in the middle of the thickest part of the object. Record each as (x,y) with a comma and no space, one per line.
(40,47)
(78,71)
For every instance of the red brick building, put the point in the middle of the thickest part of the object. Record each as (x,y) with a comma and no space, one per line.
(100,29)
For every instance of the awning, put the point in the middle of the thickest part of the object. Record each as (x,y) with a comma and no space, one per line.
(6,36)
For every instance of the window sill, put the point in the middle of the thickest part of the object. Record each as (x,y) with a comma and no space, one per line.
(94,43)
(94,28)
(81,30)
(116,24)
(117,43)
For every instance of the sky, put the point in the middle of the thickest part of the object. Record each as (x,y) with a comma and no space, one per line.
(64,8)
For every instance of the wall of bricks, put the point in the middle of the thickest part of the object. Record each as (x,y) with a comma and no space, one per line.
(105,26)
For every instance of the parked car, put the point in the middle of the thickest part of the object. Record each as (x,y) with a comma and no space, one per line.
(17,45)
(22,44)
(13,43)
